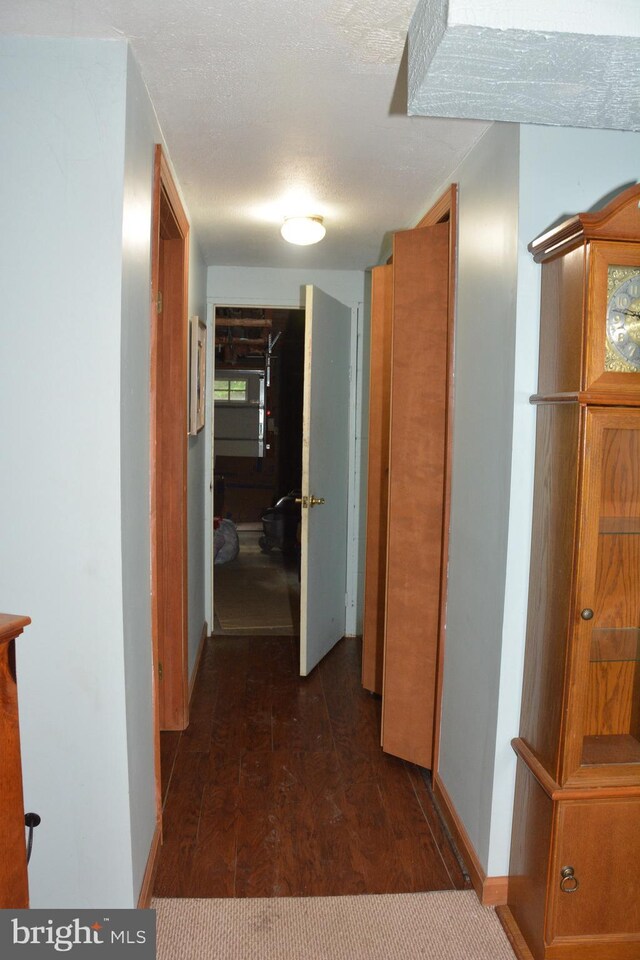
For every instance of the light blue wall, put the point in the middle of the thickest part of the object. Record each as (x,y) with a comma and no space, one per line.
(281,287)
(483,409)
(78,138)
(62,109)
(141,135)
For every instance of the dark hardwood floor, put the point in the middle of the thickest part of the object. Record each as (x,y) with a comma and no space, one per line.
(279,787)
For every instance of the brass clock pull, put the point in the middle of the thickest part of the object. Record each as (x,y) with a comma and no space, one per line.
(569,882)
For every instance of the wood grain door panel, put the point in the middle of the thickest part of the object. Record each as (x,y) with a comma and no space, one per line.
(590,836)
(416,490)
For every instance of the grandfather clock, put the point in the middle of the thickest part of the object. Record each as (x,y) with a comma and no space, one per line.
(574,885)
(14,891)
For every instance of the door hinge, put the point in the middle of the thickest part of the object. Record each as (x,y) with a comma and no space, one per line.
(159,302)
(160,670)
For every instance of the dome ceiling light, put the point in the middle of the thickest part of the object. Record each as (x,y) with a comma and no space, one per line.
(303,231)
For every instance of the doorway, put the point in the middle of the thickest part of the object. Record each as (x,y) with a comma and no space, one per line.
(168,460)
(257,469)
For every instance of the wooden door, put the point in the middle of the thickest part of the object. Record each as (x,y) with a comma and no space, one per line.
(170,275)
(417,459)
(377,478)
(325,476)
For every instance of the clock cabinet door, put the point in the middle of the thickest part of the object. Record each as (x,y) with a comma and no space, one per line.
(603,742)
(613,321)
(595,882)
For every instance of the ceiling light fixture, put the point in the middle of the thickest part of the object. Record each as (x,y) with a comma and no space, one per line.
(303,230)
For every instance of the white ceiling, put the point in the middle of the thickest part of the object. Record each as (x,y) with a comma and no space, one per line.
(271,107)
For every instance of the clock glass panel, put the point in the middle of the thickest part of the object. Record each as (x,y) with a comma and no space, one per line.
(623,319)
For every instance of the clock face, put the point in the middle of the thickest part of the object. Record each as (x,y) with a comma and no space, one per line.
(623,320)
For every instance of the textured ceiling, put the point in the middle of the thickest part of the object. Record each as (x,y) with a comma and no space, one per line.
(271,107)
(528,62)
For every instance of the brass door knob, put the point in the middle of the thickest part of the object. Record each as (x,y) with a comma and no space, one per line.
(309,501)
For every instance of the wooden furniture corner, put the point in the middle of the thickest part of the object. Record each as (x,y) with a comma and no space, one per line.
(14,891)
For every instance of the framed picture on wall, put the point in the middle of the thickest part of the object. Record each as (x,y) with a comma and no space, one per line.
(198,374)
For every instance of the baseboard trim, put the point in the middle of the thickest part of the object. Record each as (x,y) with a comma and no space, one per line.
(514,936)
(491,891)
(495,891)
(146,890)
(203,636)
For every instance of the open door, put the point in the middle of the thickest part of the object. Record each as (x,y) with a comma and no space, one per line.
(325,460)
(416,494)
(409,482)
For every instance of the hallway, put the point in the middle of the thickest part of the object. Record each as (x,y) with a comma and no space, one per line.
(279,787)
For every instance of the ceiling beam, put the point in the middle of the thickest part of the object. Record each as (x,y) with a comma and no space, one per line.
(559,62)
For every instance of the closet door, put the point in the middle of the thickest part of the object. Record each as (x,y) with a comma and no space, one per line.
(416,490)
(377,478)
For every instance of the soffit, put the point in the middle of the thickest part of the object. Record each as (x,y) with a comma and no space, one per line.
(564,62)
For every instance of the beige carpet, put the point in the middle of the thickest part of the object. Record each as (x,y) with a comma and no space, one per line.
(448,925)
(255,593)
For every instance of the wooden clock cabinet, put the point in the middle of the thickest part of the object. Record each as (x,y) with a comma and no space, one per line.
(574,885)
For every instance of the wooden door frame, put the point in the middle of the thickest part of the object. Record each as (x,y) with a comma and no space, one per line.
(170,696)
(445,209)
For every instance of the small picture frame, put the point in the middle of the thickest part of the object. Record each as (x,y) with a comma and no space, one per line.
(198,374)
